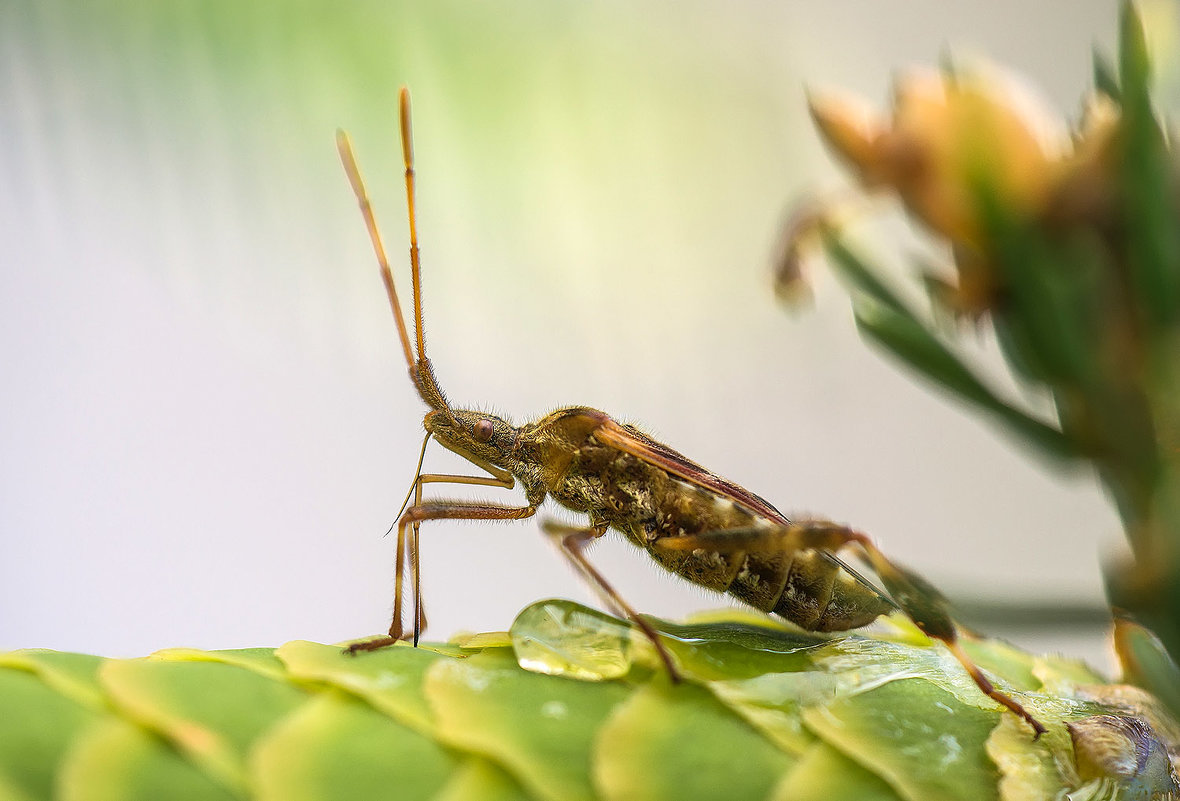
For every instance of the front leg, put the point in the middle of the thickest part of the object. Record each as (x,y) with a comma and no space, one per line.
(415,515)
(498,478)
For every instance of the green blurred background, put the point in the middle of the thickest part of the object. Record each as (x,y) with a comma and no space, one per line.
(204,417)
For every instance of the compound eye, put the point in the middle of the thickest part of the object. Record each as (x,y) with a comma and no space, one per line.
(483,431)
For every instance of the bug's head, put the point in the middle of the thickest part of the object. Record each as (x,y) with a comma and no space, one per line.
(478,436)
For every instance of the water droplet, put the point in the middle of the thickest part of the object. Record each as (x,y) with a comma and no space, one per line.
(562,638)
(554,709)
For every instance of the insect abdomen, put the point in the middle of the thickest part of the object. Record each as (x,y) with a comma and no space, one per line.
(647,505)
(819,596)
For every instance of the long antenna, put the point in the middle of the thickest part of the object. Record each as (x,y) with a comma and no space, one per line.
(415,262)
(344,146)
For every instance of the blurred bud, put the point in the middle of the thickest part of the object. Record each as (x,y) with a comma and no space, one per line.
(1087,189)
(949,138)
(954,140)
(854,129)
(800,239)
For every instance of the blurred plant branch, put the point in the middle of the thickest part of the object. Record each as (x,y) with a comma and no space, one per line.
(1067,243)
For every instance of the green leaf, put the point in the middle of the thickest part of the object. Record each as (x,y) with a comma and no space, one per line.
(735,649)
(540,728)
(1055,306)
(390,679)
(924,353)
(37,727)
(931,751)
(1134,59)
(211,712)
(1150,213)
(762,712)
(481,780)
(119,761)
(73,675)
(825,773)
(1106,79)
(887,320)
(863,279)
(1026,773)
(1147,663)
(680,743)
(339,746)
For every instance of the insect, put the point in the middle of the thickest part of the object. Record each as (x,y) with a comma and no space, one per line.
(692,522)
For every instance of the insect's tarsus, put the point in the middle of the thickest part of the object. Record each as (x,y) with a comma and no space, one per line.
(692,522)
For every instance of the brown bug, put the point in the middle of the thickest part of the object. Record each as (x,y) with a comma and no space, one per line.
(695,524)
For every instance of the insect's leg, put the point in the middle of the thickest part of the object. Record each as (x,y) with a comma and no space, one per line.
(438,510)
(412,557)
(572,541)
(919,599)
(416,576)
(415,571)
(927,607)
(395,627)
(499,478)
(916,597)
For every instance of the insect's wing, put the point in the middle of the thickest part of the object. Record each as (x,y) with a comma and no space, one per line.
(630,439)
(633,441)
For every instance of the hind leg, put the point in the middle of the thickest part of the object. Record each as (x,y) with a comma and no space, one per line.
(919,599)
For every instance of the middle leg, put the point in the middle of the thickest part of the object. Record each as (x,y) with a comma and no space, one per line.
(572,540)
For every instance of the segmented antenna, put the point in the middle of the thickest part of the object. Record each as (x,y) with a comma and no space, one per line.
(421,372)
(415,263)
(344,146)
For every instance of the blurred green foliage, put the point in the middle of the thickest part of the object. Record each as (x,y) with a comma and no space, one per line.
(1069,250)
